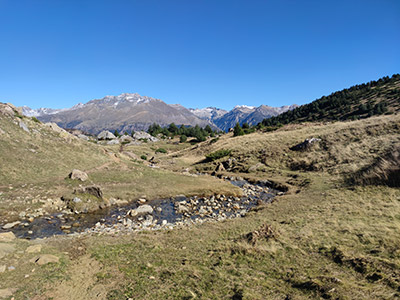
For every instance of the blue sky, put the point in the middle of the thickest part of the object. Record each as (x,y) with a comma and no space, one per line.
(197,53)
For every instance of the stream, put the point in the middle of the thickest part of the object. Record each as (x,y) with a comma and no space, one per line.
(157,215)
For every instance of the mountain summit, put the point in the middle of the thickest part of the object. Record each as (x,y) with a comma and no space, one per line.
(125,112)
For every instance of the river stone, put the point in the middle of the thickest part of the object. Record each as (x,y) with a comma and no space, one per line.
(5,293)
(78,175)
(45,259)
(6,249)
(34,249)
(182,209)
(7,236)
(11,225)
(143,209)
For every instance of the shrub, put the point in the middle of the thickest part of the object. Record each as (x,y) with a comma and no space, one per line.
(144,157)
(161,150)
(237,130)
(183,138)
(34,119)
(218,154)
(214,140)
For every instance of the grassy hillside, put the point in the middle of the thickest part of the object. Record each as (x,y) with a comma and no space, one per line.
(327,238)
(357,102)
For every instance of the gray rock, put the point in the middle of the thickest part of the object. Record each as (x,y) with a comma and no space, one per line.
(182,209)
(143,209)
(106,135)
(11,225)
(34,249)
(144,135)
(8,292)
(113,142)
(78,175)
(77,200)
(45,259)
(23,126)
(83,137)
(6,249)
(7,236)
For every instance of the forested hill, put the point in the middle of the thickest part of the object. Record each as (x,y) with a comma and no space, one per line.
(359,101)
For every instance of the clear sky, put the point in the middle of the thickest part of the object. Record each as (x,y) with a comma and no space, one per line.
(56,53)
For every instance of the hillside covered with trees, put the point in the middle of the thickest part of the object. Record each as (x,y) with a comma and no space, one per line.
(357,102)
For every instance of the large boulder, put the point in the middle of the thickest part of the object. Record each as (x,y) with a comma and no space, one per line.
(7,109)
(7,236)
(142,135)
(306,145)
(141,210)
(78,175)
(106,135)
(45,259)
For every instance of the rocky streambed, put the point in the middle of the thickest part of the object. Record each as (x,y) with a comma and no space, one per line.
(152,215)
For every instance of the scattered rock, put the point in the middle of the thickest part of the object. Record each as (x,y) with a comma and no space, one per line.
(78,175)
(113,142)
(91,190)
(34,249)
(45,259)
(54,127)
(83,137)
(182,209)
(11,225)
(143,209)
(8,292)
(106,135)
(7,109)
(7,236)
(23,126)
(141,135)
(6,249)
(2,268)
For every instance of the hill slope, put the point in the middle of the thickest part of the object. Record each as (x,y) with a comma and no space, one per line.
(357,102)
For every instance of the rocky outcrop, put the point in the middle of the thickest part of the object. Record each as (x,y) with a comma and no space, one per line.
(106,135)
(307,144)
(78,175)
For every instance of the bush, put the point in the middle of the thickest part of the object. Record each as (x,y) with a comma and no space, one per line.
(144,157)
(214,140)
(237,130)
(34,119)
(218,154)
(183,138)
(161,150)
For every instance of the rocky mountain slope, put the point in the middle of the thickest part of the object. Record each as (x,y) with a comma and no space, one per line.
(249,114)
(126,112)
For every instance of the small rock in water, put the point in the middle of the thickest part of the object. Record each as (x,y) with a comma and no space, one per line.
(11,225)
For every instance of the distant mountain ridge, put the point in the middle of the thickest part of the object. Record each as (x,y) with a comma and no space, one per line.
(125,112)
(132,112)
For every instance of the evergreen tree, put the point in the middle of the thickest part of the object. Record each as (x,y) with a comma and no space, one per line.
(237,130)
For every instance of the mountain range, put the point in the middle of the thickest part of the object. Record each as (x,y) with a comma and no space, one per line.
(132,112)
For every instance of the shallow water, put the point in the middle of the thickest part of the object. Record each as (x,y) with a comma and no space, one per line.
(58,224)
